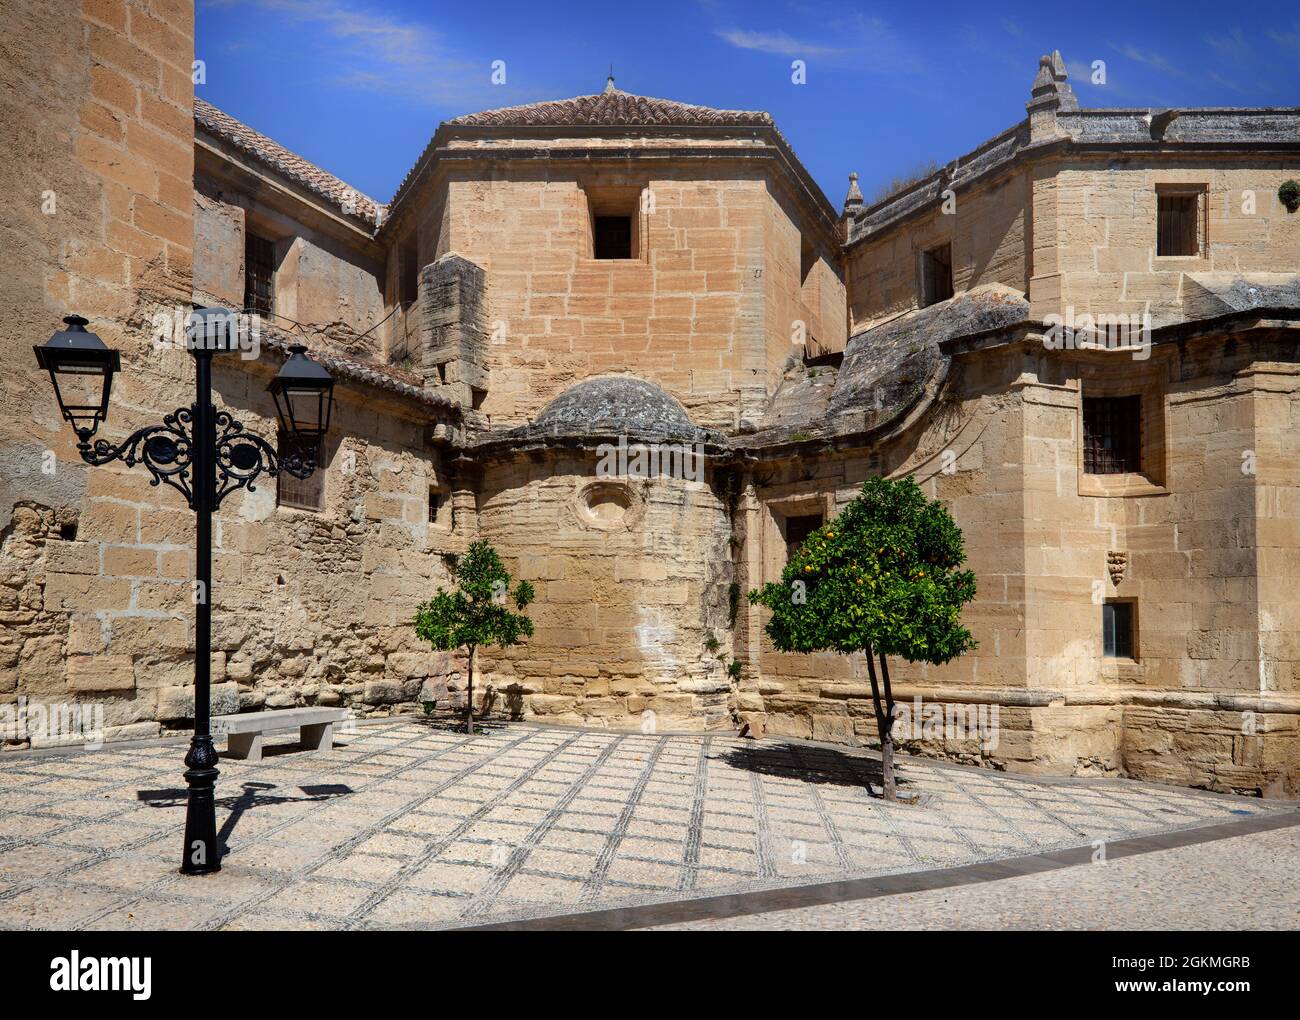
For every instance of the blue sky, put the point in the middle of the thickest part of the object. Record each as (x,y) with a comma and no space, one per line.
(359,86)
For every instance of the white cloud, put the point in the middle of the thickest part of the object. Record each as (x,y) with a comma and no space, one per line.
(775,42)
(1232,46)
(864,42)
(374,50)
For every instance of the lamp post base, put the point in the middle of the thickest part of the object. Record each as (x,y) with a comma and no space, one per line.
(202,854)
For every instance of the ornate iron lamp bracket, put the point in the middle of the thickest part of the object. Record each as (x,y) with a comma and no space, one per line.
(167,451)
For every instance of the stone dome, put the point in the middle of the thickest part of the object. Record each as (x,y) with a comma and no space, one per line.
(617,405)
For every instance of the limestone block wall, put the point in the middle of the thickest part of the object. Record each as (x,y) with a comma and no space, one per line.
(1208,552)
(704,310)
(97,219)
(827,697)
(989,230)
(1104,248)
(321,282)
(632,580)
(309,607)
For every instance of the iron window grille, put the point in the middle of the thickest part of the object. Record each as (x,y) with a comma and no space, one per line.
(259,275)
(1112,435)
(1177,230)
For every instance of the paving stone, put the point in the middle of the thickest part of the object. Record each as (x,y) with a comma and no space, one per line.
(437,829)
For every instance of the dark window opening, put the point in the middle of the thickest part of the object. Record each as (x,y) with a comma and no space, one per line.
(259,275)
(300,493)
(1112,435)
(807,259)
(476,397)
(1177,232)
(435,504)
(68,531)
(612,237)
(409,267)
(936,275)
(797,529)
(1117,630)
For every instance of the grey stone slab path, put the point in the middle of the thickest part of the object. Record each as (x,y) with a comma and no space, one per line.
(1243,883)
(406,825)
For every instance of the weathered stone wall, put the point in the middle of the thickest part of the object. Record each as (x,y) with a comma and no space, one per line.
(1101,255)
(706,309)
(632,580)
(96,565)
(989,230)
(827,696)
(97,220)
(322,282)
(1211,698)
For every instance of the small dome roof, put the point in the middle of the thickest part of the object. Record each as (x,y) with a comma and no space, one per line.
(615,405)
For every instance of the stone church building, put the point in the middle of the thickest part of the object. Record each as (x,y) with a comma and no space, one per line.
(1081,337)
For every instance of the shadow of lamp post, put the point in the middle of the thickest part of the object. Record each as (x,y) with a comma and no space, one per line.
(204,454)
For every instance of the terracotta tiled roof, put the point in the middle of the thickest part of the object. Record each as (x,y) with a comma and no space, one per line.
(384,377)
(612,108)
(288,164)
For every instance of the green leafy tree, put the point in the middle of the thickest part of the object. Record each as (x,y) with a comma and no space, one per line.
(477,613)
(883,578)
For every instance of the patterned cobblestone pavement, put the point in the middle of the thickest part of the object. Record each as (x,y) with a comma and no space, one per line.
(1244,883)
(407,825)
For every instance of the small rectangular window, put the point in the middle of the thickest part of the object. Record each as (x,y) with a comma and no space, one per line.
(1178,227)
(612,237)
(435,504)
(936,275)
(409,268)
(259,275)
(1112,435)
(807,258)
(300,493)
(1117,630)
(797,529)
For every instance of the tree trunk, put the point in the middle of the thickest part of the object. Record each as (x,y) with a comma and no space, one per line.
(884,728)
(887,742)
(469,696)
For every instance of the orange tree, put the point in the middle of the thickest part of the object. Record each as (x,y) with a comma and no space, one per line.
(883,578)
(477,613)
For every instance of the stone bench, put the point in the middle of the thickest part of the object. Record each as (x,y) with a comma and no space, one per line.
(244,732)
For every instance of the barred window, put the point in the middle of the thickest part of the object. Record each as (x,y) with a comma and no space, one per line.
(300,493)
(1178,228)
(259,275)
(1112,435)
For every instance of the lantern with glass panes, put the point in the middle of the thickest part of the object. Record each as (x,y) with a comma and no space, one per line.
(204,454)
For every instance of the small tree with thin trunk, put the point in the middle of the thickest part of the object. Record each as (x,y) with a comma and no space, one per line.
(477,613)
(883,578)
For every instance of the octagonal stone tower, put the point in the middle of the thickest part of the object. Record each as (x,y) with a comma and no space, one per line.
(617,234)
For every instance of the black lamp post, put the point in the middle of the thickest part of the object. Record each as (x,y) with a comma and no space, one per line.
(204,454)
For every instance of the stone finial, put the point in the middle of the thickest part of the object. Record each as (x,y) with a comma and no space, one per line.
(853,200)
(609,84)
(1051,92)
